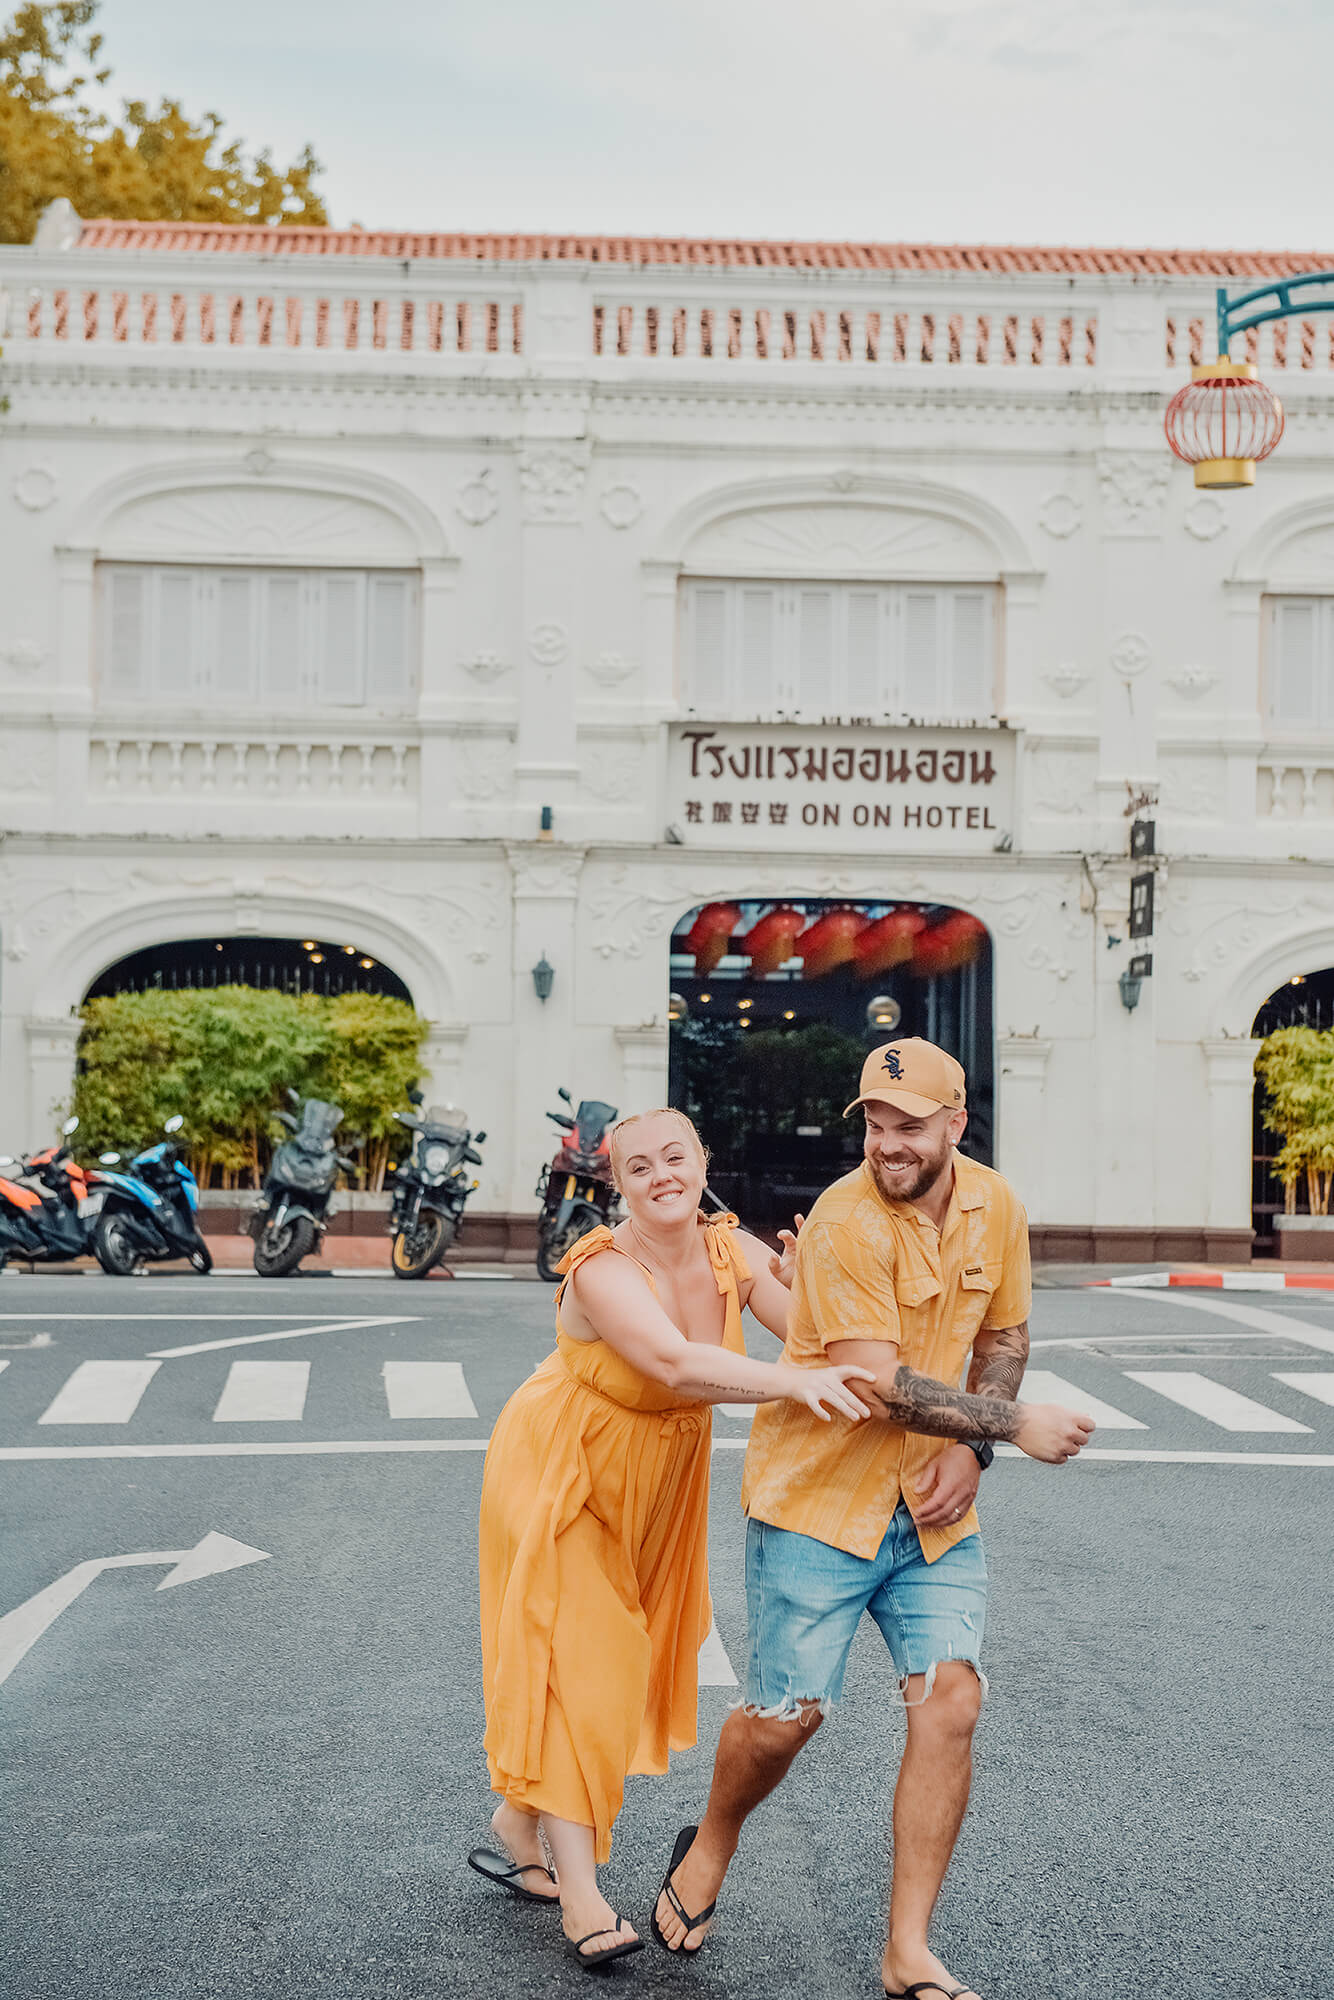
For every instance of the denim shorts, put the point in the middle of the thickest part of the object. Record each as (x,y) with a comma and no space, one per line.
(804,1600)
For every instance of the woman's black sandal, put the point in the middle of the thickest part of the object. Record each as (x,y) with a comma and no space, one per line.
(926,1986)
(498,1868)
(590,1960)
(685,1840)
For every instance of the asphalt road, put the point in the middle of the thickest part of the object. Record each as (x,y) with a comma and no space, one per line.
(264,1781)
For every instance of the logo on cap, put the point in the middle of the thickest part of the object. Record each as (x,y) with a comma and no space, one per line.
(893,1065)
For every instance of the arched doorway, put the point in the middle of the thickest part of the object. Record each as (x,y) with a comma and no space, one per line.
(773,1007)
(290,965)
(1306,1000)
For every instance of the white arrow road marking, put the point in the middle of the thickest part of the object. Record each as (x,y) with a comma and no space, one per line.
(715,1669)
(295,1333)
(427,1389)
(21,1628)
(101,1392)
(1041,1387)
(1213,1402)
(1259,1317)
(263,1392)
(1319,1386)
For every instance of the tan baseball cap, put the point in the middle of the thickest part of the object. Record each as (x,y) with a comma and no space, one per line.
(912,1075)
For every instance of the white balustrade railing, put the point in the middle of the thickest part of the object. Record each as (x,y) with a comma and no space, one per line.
(1295,787)
(1283,347)
(200,767)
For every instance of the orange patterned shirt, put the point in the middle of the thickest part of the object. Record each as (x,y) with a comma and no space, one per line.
(873,1269)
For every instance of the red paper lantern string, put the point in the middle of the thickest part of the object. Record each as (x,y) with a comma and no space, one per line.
(888,941)
(710,935)
(954,942)
(830,941)
(769,943)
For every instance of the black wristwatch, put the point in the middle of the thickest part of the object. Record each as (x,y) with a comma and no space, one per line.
(983,1450)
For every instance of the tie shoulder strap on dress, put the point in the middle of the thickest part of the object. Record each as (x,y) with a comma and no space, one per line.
(729,1265)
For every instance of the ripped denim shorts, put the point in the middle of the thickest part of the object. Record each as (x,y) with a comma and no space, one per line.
(804,1600)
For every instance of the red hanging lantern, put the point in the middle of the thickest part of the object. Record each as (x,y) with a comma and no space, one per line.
(769,943)
(888,941)
(830,941)
(1223,423)
(955,941)
(710,935)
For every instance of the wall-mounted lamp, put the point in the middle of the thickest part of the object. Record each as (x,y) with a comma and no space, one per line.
(544,977)
(677,1010)
(1128,987)
(884,1012)
(544,831)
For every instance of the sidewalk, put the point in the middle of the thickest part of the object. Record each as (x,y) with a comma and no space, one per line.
(364,1257)
(1257,1277)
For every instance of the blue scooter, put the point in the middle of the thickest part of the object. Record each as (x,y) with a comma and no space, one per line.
(148,1215)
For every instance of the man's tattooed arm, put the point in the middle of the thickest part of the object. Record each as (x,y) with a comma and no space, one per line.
(1000,1355)
(933,1409)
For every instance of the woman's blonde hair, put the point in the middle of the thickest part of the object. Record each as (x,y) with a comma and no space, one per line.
(662,1111)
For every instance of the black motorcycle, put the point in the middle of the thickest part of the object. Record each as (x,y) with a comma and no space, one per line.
(430,1187)
(293,1211)
(576,1190)
(148,1215)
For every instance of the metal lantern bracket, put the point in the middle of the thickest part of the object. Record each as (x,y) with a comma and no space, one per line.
(1275,301)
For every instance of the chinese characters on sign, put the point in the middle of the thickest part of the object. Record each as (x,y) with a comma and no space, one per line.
(854,788)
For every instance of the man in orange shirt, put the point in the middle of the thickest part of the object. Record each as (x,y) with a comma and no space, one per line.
(908,1266)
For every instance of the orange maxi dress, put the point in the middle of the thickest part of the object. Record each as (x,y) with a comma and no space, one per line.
(594,1567)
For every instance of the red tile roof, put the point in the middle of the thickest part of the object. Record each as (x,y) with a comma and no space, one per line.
(1005,259)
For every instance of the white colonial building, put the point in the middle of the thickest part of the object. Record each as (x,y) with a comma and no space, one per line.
(332,563)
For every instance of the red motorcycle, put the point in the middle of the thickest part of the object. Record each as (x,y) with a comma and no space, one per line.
(576,1190)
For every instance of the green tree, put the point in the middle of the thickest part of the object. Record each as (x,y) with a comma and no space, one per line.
(154,164)
(1296,1067)
(225,1056)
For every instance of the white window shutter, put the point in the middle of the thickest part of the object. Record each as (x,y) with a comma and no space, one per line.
(234,635)
(920,690)
(862,676)
(175,597)
(390,628)
(343,640)
(281,635)
(125,634)
(1293,691)
(756,676)
(815,651)
(969,693)
(707,679)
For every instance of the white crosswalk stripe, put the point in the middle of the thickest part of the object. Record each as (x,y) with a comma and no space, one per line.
(427,1389)
(263,1392)
(1319,1386)
(1210,1400)
(101,1392)
(1040,1386)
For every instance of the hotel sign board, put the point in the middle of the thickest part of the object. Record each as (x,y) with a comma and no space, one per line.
(853,790)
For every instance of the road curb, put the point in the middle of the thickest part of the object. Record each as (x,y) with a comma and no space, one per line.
(1224,1281)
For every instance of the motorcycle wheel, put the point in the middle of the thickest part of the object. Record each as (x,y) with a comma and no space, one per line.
(202,1260)
(278,1251)
(551,1249)
(417,1249)
(113,1247)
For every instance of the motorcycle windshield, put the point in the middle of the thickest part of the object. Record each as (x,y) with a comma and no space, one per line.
(297,1165)
(591,1121)
(446,1121)
(319,1122)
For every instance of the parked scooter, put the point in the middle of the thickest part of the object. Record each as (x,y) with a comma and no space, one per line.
(46,1228)
(293,1211)
(148,1214)
(431,1187)
(576,1190)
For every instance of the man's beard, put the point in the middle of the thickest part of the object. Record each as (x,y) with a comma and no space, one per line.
(924,1179)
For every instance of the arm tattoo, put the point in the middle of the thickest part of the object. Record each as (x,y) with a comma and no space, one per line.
(934,1409)
(999,1360)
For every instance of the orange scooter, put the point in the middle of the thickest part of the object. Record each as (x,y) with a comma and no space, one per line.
(46,1228)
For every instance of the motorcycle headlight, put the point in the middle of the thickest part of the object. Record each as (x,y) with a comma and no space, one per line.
(435,1159)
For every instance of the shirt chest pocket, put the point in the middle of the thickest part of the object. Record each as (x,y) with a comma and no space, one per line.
(912,1290)
(979,1281)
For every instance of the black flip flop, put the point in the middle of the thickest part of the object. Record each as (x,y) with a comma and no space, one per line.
(685,1840)
(498,1868)
(926,1986)
(591,1960)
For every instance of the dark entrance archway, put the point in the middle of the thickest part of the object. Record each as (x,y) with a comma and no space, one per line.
(773,1008)
(290,965)
(1304,1001)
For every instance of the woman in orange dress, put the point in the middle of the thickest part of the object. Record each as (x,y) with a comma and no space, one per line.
(594,1520)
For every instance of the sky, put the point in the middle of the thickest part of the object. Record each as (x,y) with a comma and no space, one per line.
(1154,122)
